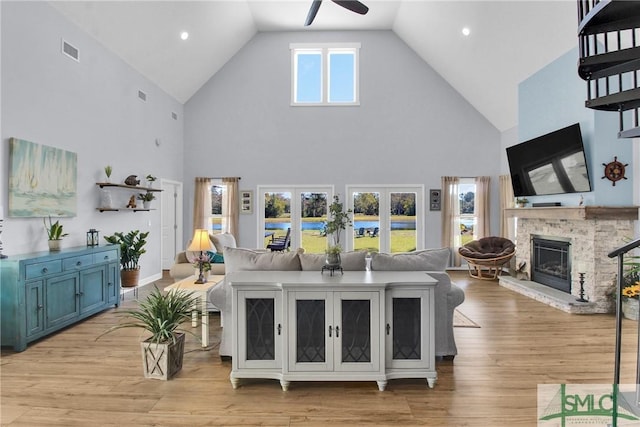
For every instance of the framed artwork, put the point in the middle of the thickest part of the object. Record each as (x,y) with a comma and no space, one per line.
(435,200)
(42,180)
(246,201)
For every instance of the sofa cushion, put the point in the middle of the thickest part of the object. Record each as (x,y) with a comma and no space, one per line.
(240,259)
(488,248)
(223,240)
(426,260)
(351,261)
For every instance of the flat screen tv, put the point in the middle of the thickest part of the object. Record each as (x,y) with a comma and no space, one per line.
(550,164)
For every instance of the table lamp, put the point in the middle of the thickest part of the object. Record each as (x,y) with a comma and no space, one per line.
(200,243)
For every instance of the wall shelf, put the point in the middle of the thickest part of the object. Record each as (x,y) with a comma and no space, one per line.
(129,187)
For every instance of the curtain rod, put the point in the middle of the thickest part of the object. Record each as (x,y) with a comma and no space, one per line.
(221,177)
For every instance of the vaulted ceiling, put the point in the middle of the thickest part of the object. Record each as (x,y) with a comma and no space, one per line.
(508,40)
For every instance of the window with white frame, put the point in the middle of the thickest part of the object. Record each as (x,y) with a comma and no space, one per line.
(324,74)
(467,203)
(301,209)
(217,193)
(386,218)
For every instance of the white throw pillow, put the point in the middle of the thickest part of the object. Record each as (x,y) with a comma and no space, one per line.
(240,259)
(350,261)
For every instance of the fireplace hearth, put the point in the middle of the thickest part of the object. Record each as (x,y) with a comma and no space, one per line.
(551,262)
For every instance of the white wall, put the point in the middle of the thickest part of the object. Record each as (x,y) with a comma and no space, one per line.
(90,107)
(411,126)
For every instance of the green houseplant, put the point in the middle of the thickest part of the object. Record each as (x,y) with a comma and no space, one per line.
(150,179)
(336,224)
(161,315)
(54,232)
(107,171)
(146,198)
(131,249)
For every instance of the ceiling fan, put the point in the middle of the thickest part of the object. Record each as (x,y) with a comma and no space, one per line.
(352,5)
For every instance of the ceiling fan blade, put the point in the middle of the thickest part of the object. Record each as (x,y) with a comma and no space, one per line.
(353,5)
(312,12)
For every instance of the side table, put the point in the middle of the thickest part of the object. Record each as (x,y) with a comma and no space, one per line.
(200,290)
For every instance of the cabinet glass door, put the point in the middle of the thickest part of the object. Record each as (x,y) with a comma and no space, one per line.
(260,329)
(406,329)
(311,345)
(356,331)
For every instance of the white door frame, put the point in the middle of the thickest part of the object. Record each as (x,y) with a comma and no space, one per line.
(173,190)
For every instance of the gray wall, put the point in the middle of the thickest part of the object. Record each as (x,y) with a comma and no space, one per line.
(90,107)
(411,126)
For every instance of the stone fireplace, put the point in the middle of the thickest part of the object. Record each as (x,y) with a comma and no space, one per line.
(578,238)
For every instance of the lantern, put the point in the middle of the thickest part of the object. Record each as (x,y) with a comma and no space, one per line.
(92,237)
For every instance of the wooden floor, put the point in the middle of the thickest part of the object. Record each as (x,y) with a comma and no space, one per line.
(69,379)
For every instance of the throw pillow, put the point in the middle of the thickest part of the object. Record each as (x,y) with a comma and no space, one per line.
(215,257)
(221,241)
(426,260)
(350,261)
(239,259)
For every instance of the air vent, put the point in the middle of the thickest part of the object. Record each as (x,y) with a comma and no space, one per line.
(142,95)
(174,116)
(71,51)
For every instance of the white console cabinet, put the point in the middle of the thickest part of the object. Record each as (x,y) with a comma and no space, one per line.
(360,326)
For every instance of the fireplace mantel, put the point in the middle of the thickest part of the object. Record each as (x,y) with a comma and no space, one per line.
(576,212)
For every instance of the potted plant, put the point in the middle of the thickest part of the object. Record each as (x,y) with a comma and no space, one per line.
(54,232)
(107,171)
(150,179)
(131,248)
(631,288)
(521,202)
(146,199)
(336,224)
(162,316)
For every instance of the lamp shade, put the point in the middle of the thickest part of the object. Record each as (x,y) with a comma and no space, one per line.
(200,241)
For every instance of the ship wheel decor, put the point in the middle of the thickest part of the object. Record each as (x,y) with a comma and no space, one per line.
(614,171)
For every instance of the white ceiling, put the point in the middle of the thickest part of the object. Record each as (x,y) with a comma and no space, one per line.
(509,41)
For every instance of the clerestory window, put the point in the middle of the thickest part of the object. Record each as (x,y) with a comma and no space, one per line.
(324,74)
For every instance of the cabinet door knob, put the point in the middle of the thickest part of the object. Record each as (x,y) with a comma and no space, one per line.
(79,263)
(106,257)
(388,328)
(109,284)
(40,306)
(330,331)
(279,329)
(337,331)
(45,270)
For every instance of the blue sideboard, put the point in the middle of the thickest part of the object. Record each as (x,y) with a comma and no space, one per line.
(45,291)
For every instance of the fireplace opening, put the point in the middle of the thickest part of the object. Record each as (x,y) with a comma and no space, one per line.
(550,262)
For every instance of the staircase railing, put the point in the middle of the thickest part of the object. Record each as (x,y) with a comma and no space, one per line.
(609,45)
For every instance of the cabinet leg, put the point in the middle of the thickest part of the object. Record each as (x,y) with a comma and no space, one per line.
(285,385)
(235,382)
(382,385)
(431,382)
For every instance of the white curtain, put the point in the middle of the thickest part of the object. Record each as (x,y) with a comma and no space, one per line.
(451,217)
(507,224)
(230,208)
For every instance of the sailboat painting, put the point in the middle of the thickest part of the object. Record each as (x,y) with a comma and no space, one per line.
(42,180)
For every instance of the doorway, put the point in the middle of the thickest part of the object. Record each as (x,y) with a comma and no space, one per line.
(171,219)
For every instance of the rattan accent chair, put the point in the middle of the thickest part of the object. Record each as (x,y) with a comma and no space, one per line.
(486,256)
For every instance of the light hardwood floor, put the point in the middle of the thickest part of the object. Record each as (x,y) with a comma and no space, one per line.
(69,379)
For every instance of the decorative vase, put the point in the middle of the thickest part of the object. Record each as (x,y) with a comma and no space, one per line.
(162,361)
(54,245)
(146,205)
(105,199)
(630,308)
(333,260)
(129,278)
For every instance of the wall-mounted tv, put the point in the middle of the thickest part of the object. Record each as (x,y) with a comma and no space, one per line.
(550,164)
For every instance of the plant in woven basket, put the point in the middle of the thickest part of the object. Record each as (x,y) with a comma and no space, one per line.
(161,315)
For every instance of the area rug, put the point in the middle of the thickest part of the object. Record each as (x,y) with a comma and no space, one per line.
(462,321)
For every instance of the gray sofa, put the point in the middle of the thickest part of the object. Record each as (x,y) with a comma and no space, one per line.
(434,261)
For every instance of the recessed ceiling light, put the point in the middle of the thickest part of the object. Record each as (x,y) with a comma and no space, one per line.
(184,35)
(466,31)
